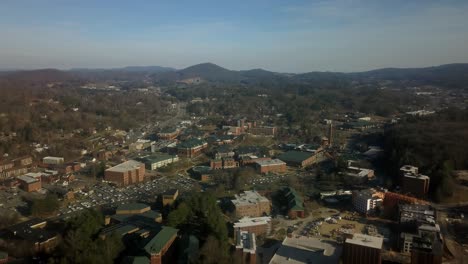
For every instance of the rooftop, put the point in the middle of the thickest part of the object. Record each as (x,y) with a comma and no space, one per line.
(157,243)
(248,197)
(157,158)
(133,206)
(252,221)
(366,240)
(191,143)
(126,166)
(299,250)
(295,156)
(27,179)
(272,162)
(246,241)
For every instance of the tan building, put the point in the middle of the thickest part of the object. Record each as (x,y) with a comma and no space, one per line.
(169,197)
(251,203)
(129,172)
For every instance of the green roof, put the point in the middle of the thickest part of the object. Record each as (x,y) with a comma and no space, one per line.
(128,217)
(157,243)
(191,143)
(132,206)
(295,201)
(295,156)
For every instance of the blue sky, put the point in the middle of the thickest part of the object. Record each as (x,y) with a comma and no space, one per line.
(287,36)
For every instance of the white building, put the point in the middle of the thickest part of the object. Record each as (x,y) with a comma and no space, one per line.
(53,160)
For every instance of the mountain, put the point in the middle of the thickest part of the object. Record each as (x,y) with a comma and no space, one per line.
(149,69)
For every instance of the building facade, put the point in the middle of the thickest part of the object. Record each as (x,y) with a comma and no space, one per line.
(274,165)
(362,249)
(251,203)
(126,173)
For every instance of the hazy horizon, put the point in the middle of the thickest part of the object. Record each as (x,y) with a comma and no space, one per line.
(297,36)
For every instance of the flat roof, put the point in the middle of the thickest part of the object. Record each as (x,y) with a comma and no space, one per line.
(272,162)
(295,156)
(417,176)
(126,166)
(132,206)
(248,197)
(27,179)
(302,250)
(252,221)
(157,158)
(366,241)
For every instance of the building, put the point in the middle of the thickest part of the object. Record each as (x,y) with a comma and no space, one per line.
(246,247)
(191,147)
(202,172)
(53,160)
(256,225)
(169,197)
(251,203)
(168,134)
(251,160)
(34,231)
(223,151)
(274,165)
(295,203)
(132,208)
(411,216)
(427,248)
(129,172)
(367,201)
(263,131)
(362,249)
(298,158)
(357,175)
(417,185)
(305,250)
(159,160)
(29,183)
(223,163)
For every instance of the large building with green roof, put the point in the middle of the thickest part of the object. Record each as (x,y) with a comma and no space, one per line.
(294,202)
(299,158)
(191,147)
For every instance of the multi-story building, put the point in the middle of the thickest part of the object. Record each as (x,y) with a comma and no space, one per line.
(366,201)
(256,225)
(251,203)
(129,172)
(362,249)
(357,175)
(159,160)
(191,147)
(246,247)
(224,163)
(417,185)
(29,183)
(34,231)
(274,165)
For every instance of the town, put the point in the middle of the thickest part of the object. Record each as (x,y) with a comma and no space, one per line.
(276,192)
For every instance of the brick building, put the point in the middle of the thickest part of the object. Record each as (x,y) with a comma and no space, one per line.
(362,249)
(246,247)
(263,131)
(129,172)
(191,147)
(223,163)
(251,203)
(168,134)
(274,165)
(414,183)
(256,225)
(30,183)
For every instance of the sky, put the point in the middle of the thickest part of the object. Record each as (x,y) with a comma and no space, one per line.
(284,36)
